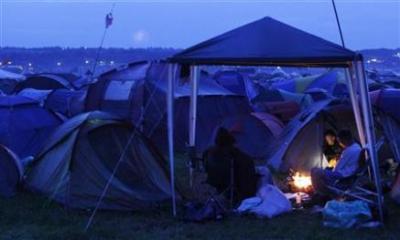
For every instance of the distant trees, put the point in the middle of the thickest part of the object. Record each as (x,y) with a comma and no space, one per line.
(50,59)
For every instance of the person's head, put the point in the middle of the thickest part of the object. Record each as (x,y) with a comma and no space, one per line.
(330,137)
(224,137)
(345,138)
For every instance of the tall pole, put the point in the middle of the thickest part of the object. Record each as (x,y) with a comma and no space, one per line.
(101,43)
(194,80)
(170,118)
(370,133)
(338,23)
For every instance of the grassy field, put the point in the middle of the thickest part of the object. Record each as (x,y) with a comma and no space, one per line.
(29,216)
(32,217)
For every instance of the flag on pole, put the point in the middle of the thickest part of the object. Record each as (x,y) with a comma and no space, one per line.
(109,20)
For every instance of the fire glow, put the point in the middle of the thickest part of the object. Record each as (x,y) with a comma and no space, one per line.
(302,182)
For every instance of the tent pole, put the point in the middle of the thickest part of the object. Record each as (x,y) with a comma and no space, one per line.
(170,116)
(370,132)
(194,81)
(349,74)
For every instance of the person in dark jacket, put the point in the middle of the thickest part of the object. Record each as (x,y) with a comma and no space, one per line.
(224,159)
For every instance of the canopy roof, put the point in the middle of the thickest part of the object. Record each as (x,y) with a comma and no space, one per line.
(266,42)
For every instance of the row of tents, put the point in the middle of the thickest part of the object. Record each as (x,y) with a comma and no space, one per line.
(107,138)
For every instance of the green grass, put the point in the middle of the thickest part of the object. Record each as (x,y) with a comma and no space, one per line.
(32,217)
(29,216)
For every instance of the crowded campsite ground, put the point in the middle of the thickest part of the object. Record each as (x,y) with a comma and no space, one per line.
(29,216)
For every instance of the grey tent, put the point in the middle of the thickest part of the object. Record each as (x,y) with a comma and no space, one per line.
(300,145)
(137,92)
(254,132)
(80,157)
(11,172)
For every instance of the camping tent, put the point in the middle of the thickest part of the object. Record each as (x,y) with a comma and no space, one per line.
(66,102)
(138,92)
(300,145)
(232,80)
(24,125)
(386,100)
(8,80)
(45,81)
(11,172)
(253,132)
(270,42)
(87,152)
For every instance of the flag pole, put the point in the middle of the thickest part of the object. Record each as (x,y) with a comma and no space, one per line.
(102,40)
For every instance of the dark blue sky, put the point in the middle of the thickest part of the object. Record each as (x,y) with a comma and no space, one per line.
(179,24)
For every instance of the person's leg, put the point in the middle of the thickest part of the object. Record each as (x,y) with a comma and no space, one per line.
(317,179)
(321,178)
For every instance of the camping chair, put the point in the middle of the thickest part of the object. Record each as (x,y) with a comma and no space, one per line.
(352,186)
(199,164)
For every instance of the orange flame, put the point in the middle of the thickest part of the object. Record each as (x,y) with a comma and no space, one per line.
(301,181)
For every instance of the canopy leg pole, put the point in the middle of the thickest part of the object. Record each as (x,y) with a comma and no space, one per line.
(194,81)
(349,73)
(351,77)
(370,133)
(170,117)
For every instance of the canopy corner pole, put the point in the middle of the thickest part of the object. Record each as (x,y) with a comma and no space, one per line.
(194,82)
(350,75)
(370,133)
(170,118)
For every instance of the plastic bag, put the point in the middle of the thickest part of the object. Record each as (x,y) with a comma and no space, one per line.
(274,202)
(340,214)
(248,204)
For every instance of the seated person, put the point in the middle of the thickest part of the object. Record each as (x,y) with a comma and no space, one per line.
(331,148)
(218,161)
(347,165)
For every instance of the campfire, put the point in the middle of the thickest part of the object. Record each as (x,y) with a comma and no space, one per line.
(300,183)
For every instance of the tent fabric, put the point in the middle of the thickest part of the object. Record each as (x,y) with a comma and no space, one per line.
(231,80)
(35,94)
(332,81)
(66,102)
(24,125)
(142,100)
(76,164)
(44,82)
(253,132)
(266,41)
(10,75)
(11,172)
(299,147)
(387,100)
(279,95)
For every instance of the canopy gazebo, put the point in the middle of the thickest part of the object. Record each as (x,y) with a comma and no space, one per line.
(268,42)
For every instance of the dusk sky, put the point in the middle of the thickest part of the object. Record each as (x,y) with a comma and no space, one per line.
(180,24)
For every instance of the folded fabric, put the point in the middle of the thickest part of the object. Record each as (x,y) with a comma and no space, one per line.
(341,214)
